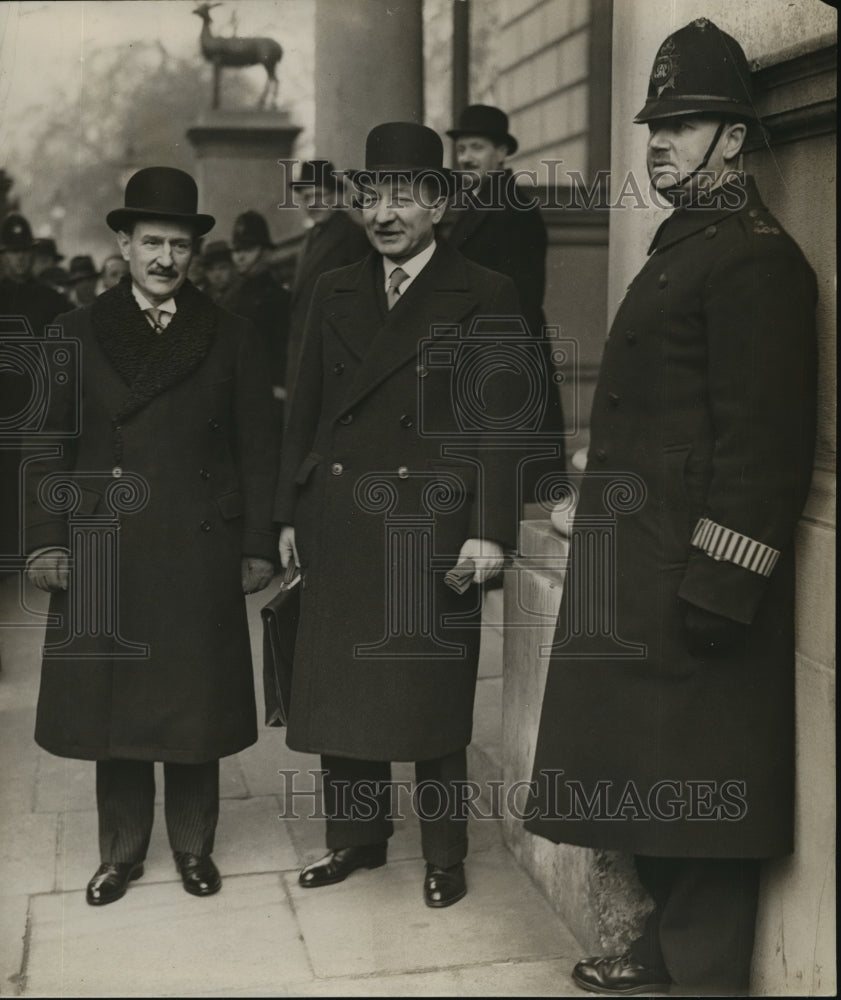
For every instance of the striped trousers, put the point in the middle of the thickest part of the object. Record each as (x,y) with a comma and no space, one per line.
(125,799)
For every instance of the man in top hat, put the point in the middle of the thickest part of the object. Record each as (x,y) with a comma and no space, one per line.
(335,237)
(260,296)
(176,413)
(83,279)
(380,495)
(672,738)
(491,223)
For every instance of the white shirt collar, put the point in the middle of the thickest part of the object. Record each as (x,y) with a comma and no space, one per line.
(167,306)
(413,266)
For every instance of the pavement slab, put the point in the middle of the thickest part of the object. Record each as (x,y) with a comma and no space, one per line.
(376,922)
(159,941)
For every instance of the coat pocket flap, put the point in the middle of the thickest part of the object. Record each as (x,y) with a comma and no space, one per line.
(230,505)
(306,467)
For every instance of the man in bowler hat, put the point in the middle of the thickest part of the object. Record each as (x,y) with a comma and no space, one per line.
(680,737)
(386,654)
(176,405)
(335,237)
(492,223)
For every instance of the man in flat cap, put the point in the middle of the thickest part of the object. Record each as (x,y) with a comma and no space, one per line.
(387,482)
(677,743)
(177,441)
(335,237)
(493,223)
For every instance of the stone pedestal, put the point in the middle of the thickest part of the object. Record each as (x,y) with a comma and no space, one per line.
(596,892)
(237,168)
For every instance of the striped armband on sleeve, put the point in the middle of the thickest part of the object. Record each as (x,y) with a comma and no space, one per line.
(725,545)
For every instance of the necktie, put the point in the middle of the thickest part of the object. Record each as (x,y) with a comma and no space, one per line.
(156,317)
(395,280)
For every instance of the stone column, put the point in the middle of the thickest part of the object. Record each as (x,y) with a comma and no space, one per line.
(368,69)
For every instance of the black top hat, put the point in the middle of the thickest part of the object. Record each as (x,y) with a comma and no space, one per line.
(161,193)
(250,230)
(16,233)
(47,247)
(82,268)
(216,252)
(699,69)
(403,149)
(485,120)
(317,173)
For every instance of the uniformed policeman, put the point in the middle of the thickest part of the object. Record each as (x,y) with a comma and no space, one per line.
(674,727)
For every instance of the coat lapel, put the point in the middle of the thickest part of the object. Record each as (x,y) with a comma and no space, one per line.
(466,222)
(439,296)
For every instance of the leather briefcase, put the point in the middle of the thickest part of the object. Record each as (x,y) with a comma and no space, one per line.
(280,624)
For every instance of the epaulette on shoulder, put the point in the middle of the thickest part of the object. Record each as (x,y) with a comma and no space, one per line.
(759,222)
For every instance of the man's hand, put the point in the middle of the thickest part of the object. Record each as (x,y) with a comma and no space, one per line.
(708,633)
(286,547)
(49,570)
(487,556)
(256,574)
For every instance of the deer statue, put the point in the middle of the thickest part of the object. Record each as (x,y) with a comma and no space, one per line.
(222,52)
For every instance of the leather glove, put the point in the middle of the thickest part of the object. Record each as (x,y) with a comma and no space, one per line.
(286,546)
(708,633)
(487,556)
(49,570)
(256,574)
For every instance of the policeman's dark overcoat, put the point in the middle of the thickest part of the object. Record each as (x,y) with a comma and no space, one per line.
(190,413)
(704,419)
(383,487)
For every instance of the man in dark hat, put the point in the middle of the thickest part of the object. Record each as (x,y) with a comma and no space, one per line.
(21,294)
(491,223)
(335,237)
(221,283)
(260,296)
(386,653)
(45,255)
(83,279)
(670,733)
(177,411)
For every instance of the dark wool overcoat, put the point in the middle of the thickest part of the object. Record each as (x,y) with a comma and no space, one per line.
(189,412)
(499,228)
(333,243)
(702,438)
(383,481)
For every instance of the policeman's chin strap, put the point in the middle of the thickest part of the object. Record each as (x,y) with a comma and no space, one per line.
(702,165)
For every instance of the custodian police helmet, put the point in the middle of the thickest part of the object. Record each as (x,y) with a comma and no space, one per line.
(699,70)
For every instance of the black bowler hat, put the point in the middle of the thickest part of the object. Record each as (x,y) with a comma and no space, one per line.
(317,174)
(161,193)
(215,253)
(47,247)
(403,149)
(487,121)
(81,269)
(699,70)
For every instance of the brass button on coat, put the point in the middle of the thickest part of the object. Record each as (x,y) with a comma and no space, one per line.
(205,526)
(403,472)
(631,337)
(337,468)
(346,419)
(407,421)
(338,368)
(204,473)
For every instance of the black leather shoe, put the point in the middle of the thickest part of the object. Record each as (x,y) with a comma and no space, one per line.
(444,886)
(199,874)
(111,880)
(620,976)
(337,865)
